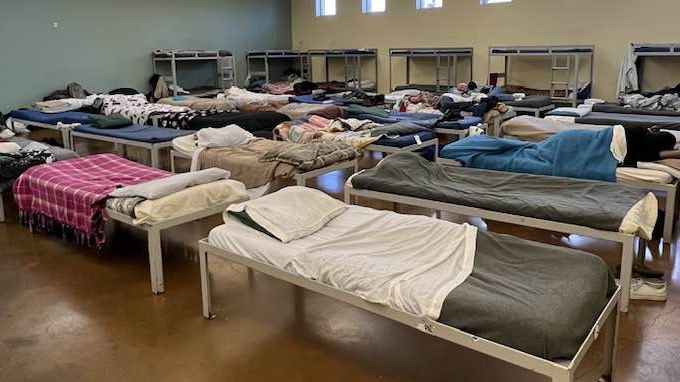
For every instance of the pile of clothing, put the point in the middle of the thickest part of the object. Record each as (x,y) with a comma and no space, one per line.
(657,102)
(15,159)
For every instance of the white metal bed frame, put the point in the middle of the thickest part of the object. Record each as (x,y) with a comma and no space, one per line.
(225,66)
(62,128)
(575,52)
(154,238)
(301,178)
(351,59)
(450,57)
(120,143)
(627,241)
(661,50)
(557,371)
(266,55)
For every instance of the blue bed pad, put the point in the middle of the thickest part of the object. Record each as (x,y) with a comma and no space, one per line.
(138,133)
(310,99)
(460,124)
(67,117)
(405,140)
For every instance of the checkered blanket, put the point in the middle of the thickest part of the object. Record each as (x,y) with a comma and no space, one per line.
(69,196)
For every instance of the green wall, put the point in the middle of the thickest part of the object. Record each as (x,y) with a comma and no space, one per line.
(107,44)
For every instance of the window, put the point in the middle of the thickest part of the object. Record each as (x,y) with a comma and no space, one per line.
(372,6)
(425,4)
(325,7)
(487,2)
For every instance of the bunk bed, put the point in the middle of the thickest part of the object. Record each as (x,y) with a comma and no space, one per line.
(632,69)
(352,68)
(225,68)
(260,62)
(446,66)
(565,72)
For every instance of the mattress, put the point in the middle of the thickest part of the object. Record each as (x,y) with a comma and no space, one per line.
(531,102)
(405,140)
(68,117)
(138,133)
(536,298)
(631,120)
(612,108)
(643,175)
(599,205)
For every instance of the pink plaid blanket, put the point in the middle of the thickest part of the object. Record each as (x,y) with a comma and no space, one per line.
(68,196)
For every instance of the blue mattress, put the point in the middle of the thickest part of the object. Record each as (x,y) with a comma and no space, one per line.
(138,133)
(405,140)
(310,99)
(50,118)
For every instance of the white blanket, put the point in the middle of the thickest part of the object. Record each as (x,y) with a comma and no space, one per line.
(407,262)
(228,136)
(159,188)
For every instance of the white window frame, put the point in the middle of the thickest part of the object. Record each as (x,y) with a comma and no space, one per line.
(321,11)
(494,2)
(366,7)
(422,4)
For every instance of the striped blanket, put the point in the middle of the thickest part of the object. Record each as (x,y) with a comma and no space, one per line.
(69,196)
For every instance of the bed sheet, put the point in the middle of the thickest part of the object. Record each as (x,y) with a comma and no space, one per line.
(68,117)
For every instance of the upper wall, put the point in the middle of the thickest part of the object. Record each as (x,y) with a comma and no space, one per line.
(107,44)
(610,25)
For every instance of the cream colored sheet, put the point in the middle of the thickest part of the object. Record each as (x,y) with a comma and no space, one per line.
(189,200)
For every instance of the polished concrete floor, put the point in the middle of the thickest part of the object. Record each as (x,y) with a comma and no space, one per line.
(73,314)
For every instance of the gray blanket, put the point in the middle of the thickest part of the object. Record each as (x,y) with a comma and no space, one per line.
(613,108)
(398,129)
(594,204)
(537,298)
(311,156)
(631,120)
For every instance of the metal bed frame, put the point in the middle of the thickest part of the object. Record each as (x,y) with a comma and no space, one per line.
(265,56)
(641,50)
(351,64)
(556,52)
(120,143)
(627,241)
(225,66)
(671,191)
(62,128)
(300,178)
(411,148)
(608,321)
(446,60)
(537,111)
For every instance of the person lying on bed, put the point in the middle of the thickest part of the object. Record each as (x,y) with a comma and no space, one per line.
(585,154)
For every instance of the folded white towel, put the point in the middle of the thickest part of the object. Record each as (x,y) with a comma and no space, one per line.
(593,101)
(519,96)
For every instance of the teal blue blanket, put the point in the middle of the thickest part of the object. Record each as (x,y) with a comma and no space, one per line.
(582,154)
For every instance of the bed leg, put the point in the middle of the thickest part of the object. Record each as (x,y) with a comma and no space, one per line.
(205,285)
(301,180)
(155,160)
(156,261)
(2,210)
(626,271)
(669,219)
(641,251)
(611,336)
(172,162)
(438,215)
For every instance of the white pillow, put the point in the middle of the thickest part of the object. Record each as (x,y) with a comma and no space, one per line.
(291,213)
(229,136)
(158,188)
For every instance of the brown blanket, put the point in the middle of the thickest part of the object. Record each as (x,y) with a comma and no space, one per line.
(532,129)
(245,165)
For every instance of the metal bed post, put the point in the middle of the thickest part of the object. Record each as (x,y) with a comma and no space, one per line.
(173,69)
(437,68)
(455,72)
(206,293)
(669,216)
(155,260)
(328,67)
(266,68)
(358,71)
(577,68)
(377,74)
(408,69)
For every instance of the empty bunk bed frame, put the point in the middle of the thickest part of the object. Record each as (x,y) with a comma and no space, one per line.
(265,58)
(446,65)
(567,59)
(351,60)
(225,66)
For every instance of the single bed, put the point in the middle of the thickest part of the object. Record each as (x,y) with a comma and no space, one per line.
(150,138)
(479,312)
(246,161)
(532,104)
(61,122)
(595,209)
(75,198)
